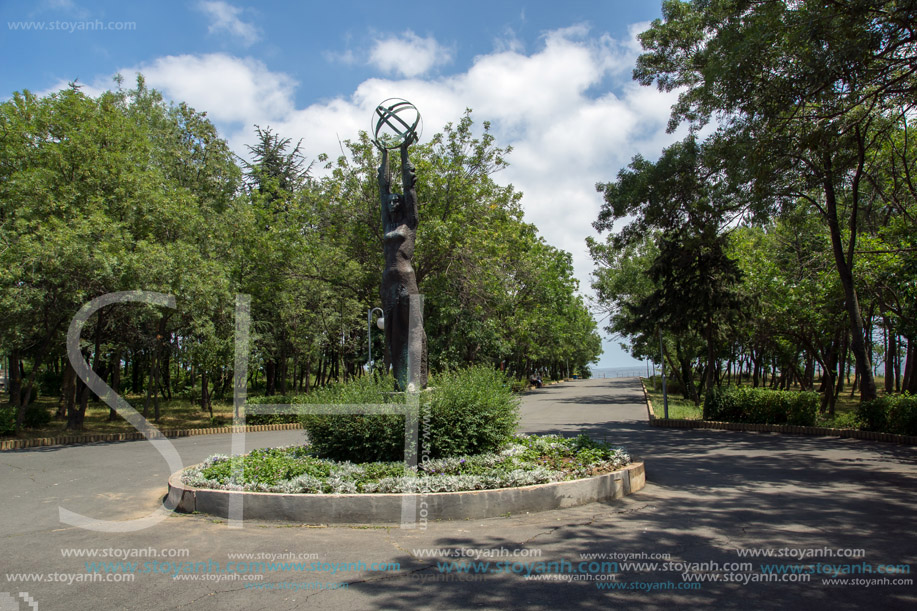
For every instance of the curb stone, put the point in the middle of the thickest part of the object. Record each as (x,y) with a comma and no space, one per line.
(20,444)
(390,508)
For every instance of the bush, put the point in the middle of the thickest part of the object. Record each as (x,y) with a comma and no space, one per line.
(271,418)
(471,411)
(760,406)
(49,382)
(36,417)
(7,421)
(889,414)
(357,438)
(846,420)
(467,412)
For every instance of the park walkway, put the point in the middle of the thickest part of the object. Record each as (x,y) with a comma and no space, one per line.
(708,493)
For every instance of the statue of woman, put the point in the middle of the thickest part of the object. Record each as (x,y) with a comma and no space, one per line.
(399,285)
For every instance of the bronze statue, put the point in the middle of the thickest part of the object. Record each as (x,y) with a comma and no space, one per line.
(406,347)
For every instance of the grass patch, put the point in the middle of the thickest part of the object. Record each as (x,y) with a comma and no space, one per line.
(679,407)
(523,461)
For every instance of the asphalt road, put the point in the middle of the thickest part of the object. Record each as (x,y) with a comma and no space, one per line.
(709,493)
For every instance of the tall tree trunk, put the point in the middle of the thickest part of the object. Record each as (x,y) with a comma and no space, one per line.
(844,265)
(165,371)
(68,392)
(30,385)
(115,381)
(206,404)
(282,371)
(307,370)
(270,375)
(135,371)
(909,382)
(890,345)
(710,379)
(15,378)
(77,416)
(150,386)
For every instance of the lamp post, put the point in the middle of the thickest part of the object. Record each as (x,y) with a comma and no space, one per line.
(380,322)
(665,395)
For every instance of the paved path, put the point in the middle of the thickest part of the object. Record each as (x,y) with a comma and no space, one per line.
(709,493)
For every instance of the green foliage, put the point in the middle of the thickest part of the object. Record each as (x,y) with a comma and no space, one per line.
(358,438)
(523,460)
(846,420)
(271,418)
(467,411)
(36,416)
(7,421)
(471,411)
(760,406)
(493,289)
(889,414)
(268,466)
(126,191)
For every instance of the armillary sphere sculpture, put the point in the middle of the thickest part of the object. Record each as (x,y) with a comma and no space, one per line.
(397,125)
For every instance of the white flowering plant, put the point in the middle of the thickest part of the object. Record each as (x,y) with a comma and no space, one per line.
(524,460)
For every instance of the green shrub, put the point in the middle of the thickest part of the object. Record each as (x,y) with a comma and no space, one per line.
(873,415)
(760,406)
(902,415)
(358,438)
(468,411)
(36,417)
(7,421)
(271,418)
(889,414)
(846,420)
(49,382)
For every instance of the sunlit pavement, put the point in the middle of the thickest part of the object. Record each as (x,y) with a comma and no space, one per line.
(708,494)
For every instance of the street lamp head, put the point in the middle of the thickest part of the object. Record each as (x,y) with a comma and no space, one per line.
(380,322)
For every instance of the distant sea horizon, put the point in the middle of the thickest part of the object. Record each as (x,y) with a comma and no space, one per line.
(630,371)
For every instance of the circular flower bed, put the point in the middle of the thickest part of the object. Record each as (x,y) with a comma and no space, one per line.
(525,460)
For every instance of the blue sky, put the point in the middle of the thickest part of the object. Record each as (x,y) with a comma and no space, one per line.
(553,78)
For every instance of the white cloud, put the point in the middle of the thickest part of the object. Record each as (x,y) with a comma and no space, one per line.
(229,89)
(225,18)
(408,55)
(555,107)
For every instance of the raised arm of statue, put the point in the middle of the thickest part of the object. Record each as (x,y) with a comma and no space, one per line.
(408,178)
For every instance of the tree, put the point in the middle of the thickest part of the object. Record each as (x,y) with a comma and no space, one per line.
(694,280)
(804,89)
(101,195)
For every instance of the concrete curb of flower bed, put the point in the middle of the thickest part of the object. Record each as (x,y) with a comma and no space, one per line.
(787,429)
(18,444)
(387,508)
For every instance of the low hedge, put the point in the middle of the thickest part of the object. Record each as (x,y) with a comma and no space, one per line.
(271,418)
(889,414)
(760,406)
